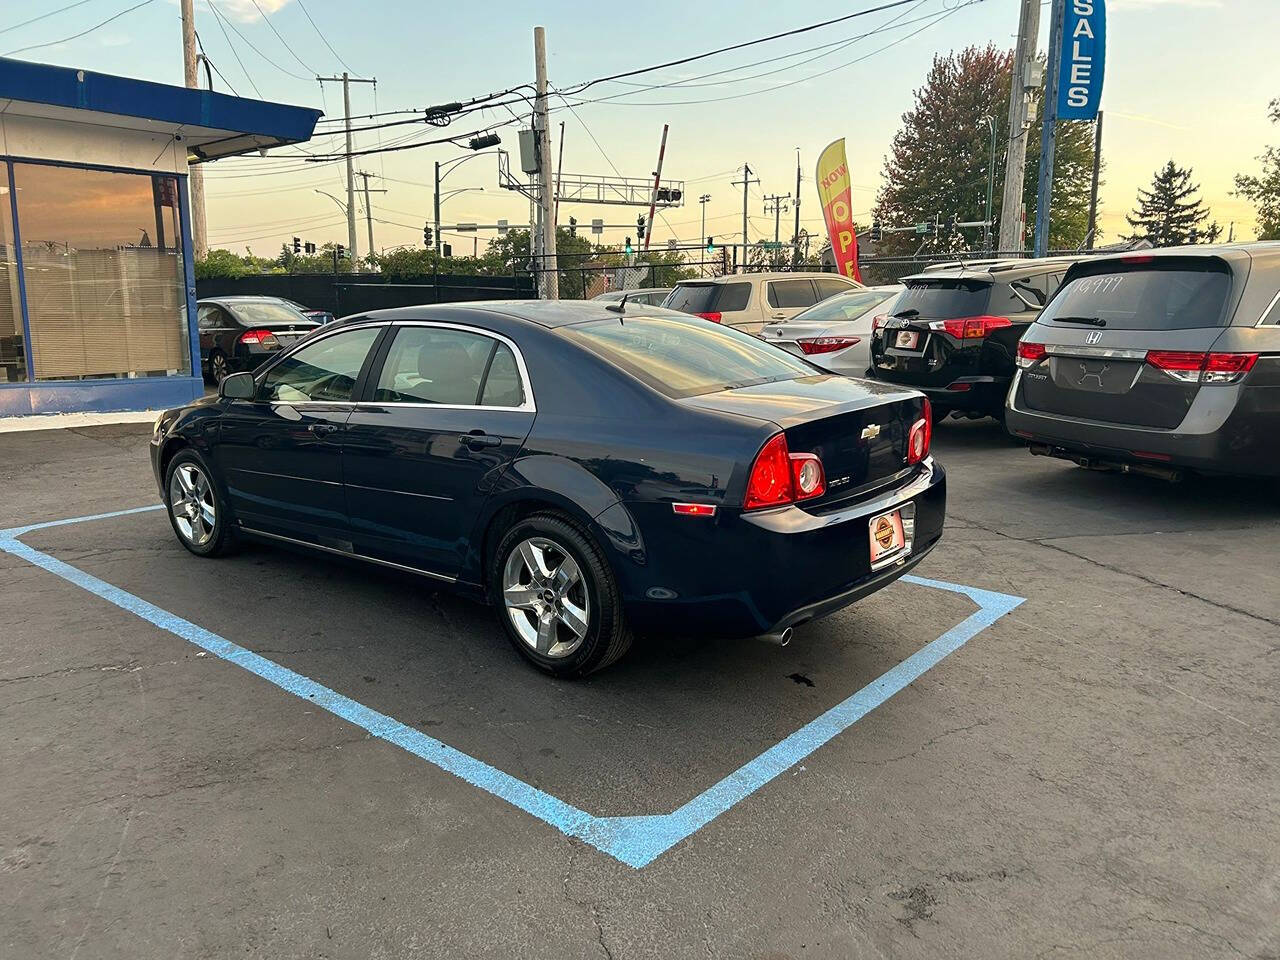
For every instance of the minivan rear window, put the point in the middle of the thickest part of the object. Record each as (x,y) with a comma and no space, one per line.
(1177,294)
(709,297)
(944,299)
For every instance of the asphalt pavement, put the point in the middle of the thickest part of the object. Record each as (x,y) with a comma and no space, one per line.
(1096,773)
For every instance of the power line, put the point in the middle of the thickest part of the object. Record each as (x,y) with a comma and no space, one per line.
(213,66)
(44,16)
(328,158)
(289,73)
(321,35)
(280,38)
(218,18)
(82,33)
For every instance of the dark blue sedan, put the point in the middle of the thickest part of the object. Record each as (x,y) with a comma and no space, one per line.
(591,470)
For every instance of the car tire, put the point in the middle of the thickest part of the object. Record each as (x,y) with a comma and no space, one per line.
(572,577)
(219,367)
(196,508)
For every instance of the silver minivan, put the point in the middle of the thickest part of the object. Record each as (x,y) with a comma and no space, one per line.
(747,301)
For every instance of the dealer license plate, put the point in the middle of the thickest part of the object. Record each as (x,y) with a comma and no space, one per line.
(888,538)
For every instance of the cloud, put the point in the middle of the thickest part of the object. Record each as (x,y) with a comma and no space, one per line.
(244,11)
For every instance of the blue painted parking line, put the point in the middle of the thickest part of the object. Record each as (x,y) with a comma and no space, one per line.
(634,840)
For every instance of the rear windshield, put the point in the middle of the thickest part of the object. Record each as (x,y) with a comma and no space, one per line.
(845,306)
(1151,296)
(709,297)
(944,299)
(268,311)
(685,358)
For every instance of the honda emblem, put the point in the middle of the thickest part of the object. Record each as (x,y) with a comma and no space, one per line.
(1093,336)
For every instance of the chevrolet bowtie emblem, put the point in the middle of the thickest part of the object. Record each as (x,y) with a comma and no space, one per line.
(871,431)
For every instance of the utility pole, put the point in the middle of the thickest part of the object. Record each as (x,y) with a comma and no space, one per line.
(1049,132)
(657,179)
(1012,222)
(991,185)
(779,201)
(550,270)
(1093,188)
(195,172)
(437,209)
(746,182)
(795,238)
(368,208)
(351,174)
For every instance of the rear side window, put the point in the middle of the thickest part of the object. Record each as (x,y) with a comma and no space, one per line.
(685,358)
(1175,295)
(944,299)
(830,287)
(434,365)
(791,293)
(709,297)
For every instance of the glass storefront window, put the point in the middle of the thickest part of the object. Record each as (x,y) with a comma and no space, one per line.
(13,358)
(102,265)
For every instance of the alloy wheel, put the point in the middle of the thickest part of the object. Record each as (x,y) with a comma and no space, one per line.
(219,368)
(191,503)
(546,597)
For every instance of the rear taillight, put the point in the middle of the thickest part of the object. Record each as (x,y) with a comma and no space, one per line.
(263,338)
(713,316)
(921,435)
(1029,354)
(1192,367)
(970,328)
(878,322)
(779,477)
(825,344)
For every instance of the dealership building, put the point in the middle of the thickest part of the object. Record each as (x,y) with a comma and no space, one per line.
(97,289)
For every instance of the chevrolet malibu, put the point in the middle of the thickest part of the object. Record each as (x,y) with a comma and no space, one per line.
(589,469)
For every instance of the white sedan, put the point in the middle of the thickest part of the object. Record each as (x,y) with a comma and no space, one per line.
(836,333)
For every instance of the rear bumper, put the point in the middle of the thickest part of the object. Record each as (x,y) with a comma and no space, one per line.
(739,575)
(981,392)
(1228,429)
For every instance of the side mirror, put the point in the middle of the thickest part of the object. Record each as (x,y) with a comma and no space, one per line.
(238,386)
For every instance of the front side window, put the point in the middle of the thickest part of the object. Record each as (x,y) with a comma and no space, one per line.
(102,265)
(684,358)
(435,365)
(791,293)
(325,371)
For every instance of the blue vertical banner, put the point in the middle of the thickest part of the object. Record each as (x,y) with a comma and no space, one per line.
(1083,57)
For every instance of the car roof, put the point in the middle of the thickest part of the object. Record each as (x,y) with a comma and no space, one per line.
(543,313)
(618,293)
(1260,252)
(244,298)
(992,270)
(763,275)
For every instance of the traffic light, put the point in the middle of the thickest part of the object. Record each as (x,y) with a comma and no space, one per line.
(448,250)
(640,227)
(297,245)
(309,248)
(341,251)
(711,244)
(426,235)
(627,247)
(573,226)
(876,231)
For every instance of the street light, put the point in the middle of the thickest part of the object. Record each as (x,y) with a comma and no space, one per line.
(341,206)
(448,167)
(991,183)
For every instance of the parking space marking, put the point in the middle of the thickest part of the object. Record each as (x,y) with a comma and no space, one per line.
(634,840)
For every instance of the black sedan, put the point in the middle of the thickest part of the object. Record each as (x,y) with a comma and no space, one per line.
(590,469)
(240,333)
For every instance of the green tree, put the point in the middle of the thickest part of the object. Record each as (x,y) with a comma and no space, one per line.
(937,165)
(575,255)
(1263,190)
(1170,213)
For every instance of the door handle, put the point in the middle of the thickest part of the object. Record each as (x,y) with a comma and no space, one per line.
(323,429)
(475,440)
(779,316)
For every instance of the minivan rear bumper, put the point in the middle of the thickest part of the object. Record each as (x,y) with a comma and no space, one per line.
(1228,429)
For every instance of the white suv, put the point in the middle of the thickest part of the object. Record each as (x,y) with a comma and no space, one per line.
(747,301)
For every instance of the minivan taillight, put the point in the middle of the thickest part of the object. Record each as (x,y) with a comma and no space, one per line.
(1029,354)
(1192,367)
(779,477)
(970,328)
(263,338)
(712,315)
(921,434)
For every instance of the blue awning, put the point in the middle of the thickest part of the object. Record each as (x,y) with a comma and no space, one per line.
(211,125)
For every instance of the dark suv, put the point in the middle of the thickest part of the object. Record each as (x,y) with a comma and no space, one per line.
(953,332)
(1158,362)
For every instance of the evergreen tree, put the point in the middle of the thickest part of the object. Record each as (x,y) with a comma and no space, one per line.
(938,160)
(1264,190)
(1170,213)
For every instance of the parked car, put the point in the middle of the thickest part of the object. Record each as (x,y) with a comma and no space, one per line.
(836,333)
(686,476)
(1157,363)
(239,333)
(747,301)
(648,296)
(319,316)
(953,332)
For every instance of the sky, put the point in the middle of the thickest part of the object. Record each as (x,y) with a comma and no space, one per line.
(1187,80)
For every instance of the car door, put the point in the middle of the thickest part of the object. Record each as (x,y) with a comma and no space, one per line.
(281,452)
(217,330)
(786,298)
(446,409)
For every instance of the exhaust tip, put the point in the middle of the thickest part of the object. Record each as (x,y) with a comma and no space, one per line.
(779,639)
